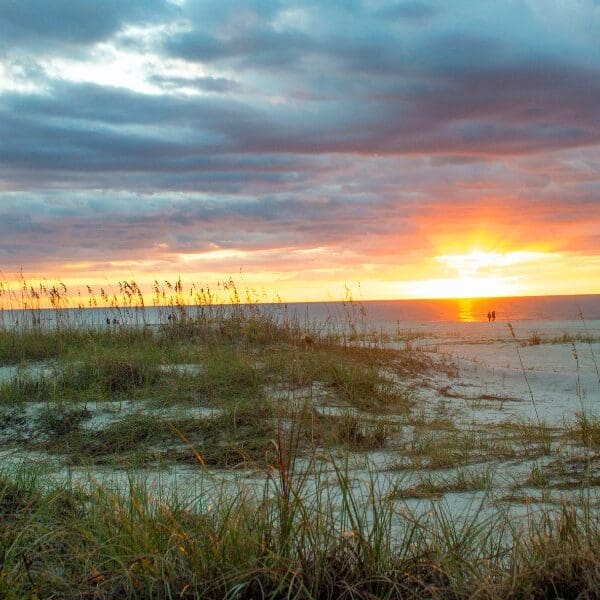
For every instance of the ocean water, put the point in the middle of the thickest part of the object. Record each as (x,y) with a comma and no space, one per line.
(385,314)
(382,313)
(467,310)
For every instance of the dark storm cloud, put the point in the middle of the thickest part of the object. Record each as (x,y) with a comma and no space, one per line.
(458,93)
(48,25)
(260,47)
(508,110)
(461,88)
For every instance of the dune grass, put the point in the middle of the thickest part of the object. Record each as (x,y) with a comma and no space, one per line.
(462,481)
(278,508)
(293,538)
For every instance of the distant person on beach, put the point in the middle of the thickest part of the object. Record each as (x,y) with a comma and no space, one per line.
(493,315)
(489,316)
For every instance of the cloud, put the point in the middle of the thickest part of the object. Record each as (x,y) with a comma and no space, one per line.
(411,11)
(370,129)
(262,47)
(42,26)
(508,111)
(205,84)
(374,221)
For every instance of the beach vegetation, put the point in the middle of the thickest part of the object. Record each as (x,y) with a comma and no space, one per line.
(311,460)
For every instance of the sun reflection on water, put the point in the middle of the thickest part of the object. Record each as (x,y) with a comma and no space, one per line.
(466,314)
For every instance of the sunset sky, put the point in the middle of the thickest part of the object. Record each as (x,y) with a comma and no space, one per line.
(419,148)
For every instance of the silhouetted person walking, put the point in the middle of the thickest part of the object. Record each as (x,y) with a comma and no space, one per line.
(489,316)
(493,315)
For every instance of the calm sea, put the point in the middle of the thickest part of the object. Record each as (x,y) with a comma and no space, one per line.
(403,313)
(540,308)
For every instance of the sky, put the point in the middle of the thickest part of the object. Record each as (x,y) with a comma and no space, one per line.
(414,148)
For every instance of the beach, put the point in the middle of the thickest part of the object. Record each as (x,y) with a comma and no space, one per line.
(359,427)
(472,375)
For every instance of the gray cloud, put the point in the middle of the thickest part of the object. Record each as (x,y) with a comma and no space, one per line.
(315,123)
(506,111)
(44,26)
(206,84)
(412,11)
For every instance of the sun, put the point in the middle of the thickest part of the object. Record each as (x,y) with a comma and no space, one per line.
(465,287)
(478,274)
(476,261)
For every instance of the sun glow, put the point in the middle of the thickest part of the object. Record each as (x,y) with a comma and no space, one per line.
(479,274)
(469,264)
(465,287)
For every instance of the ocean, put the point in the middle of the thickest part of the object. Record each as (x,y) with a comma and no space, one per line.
(467,310)
(384,314)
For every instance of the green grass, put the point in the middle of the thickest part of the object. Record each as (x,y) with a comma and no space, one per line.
(360,377)
(241,434)
(111,374)
(25,388)
(236,371)
(348,430)
(230,374)
(535,339)
(61,420)
(435,487)
(585,431)
(285,541)
(20,345)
